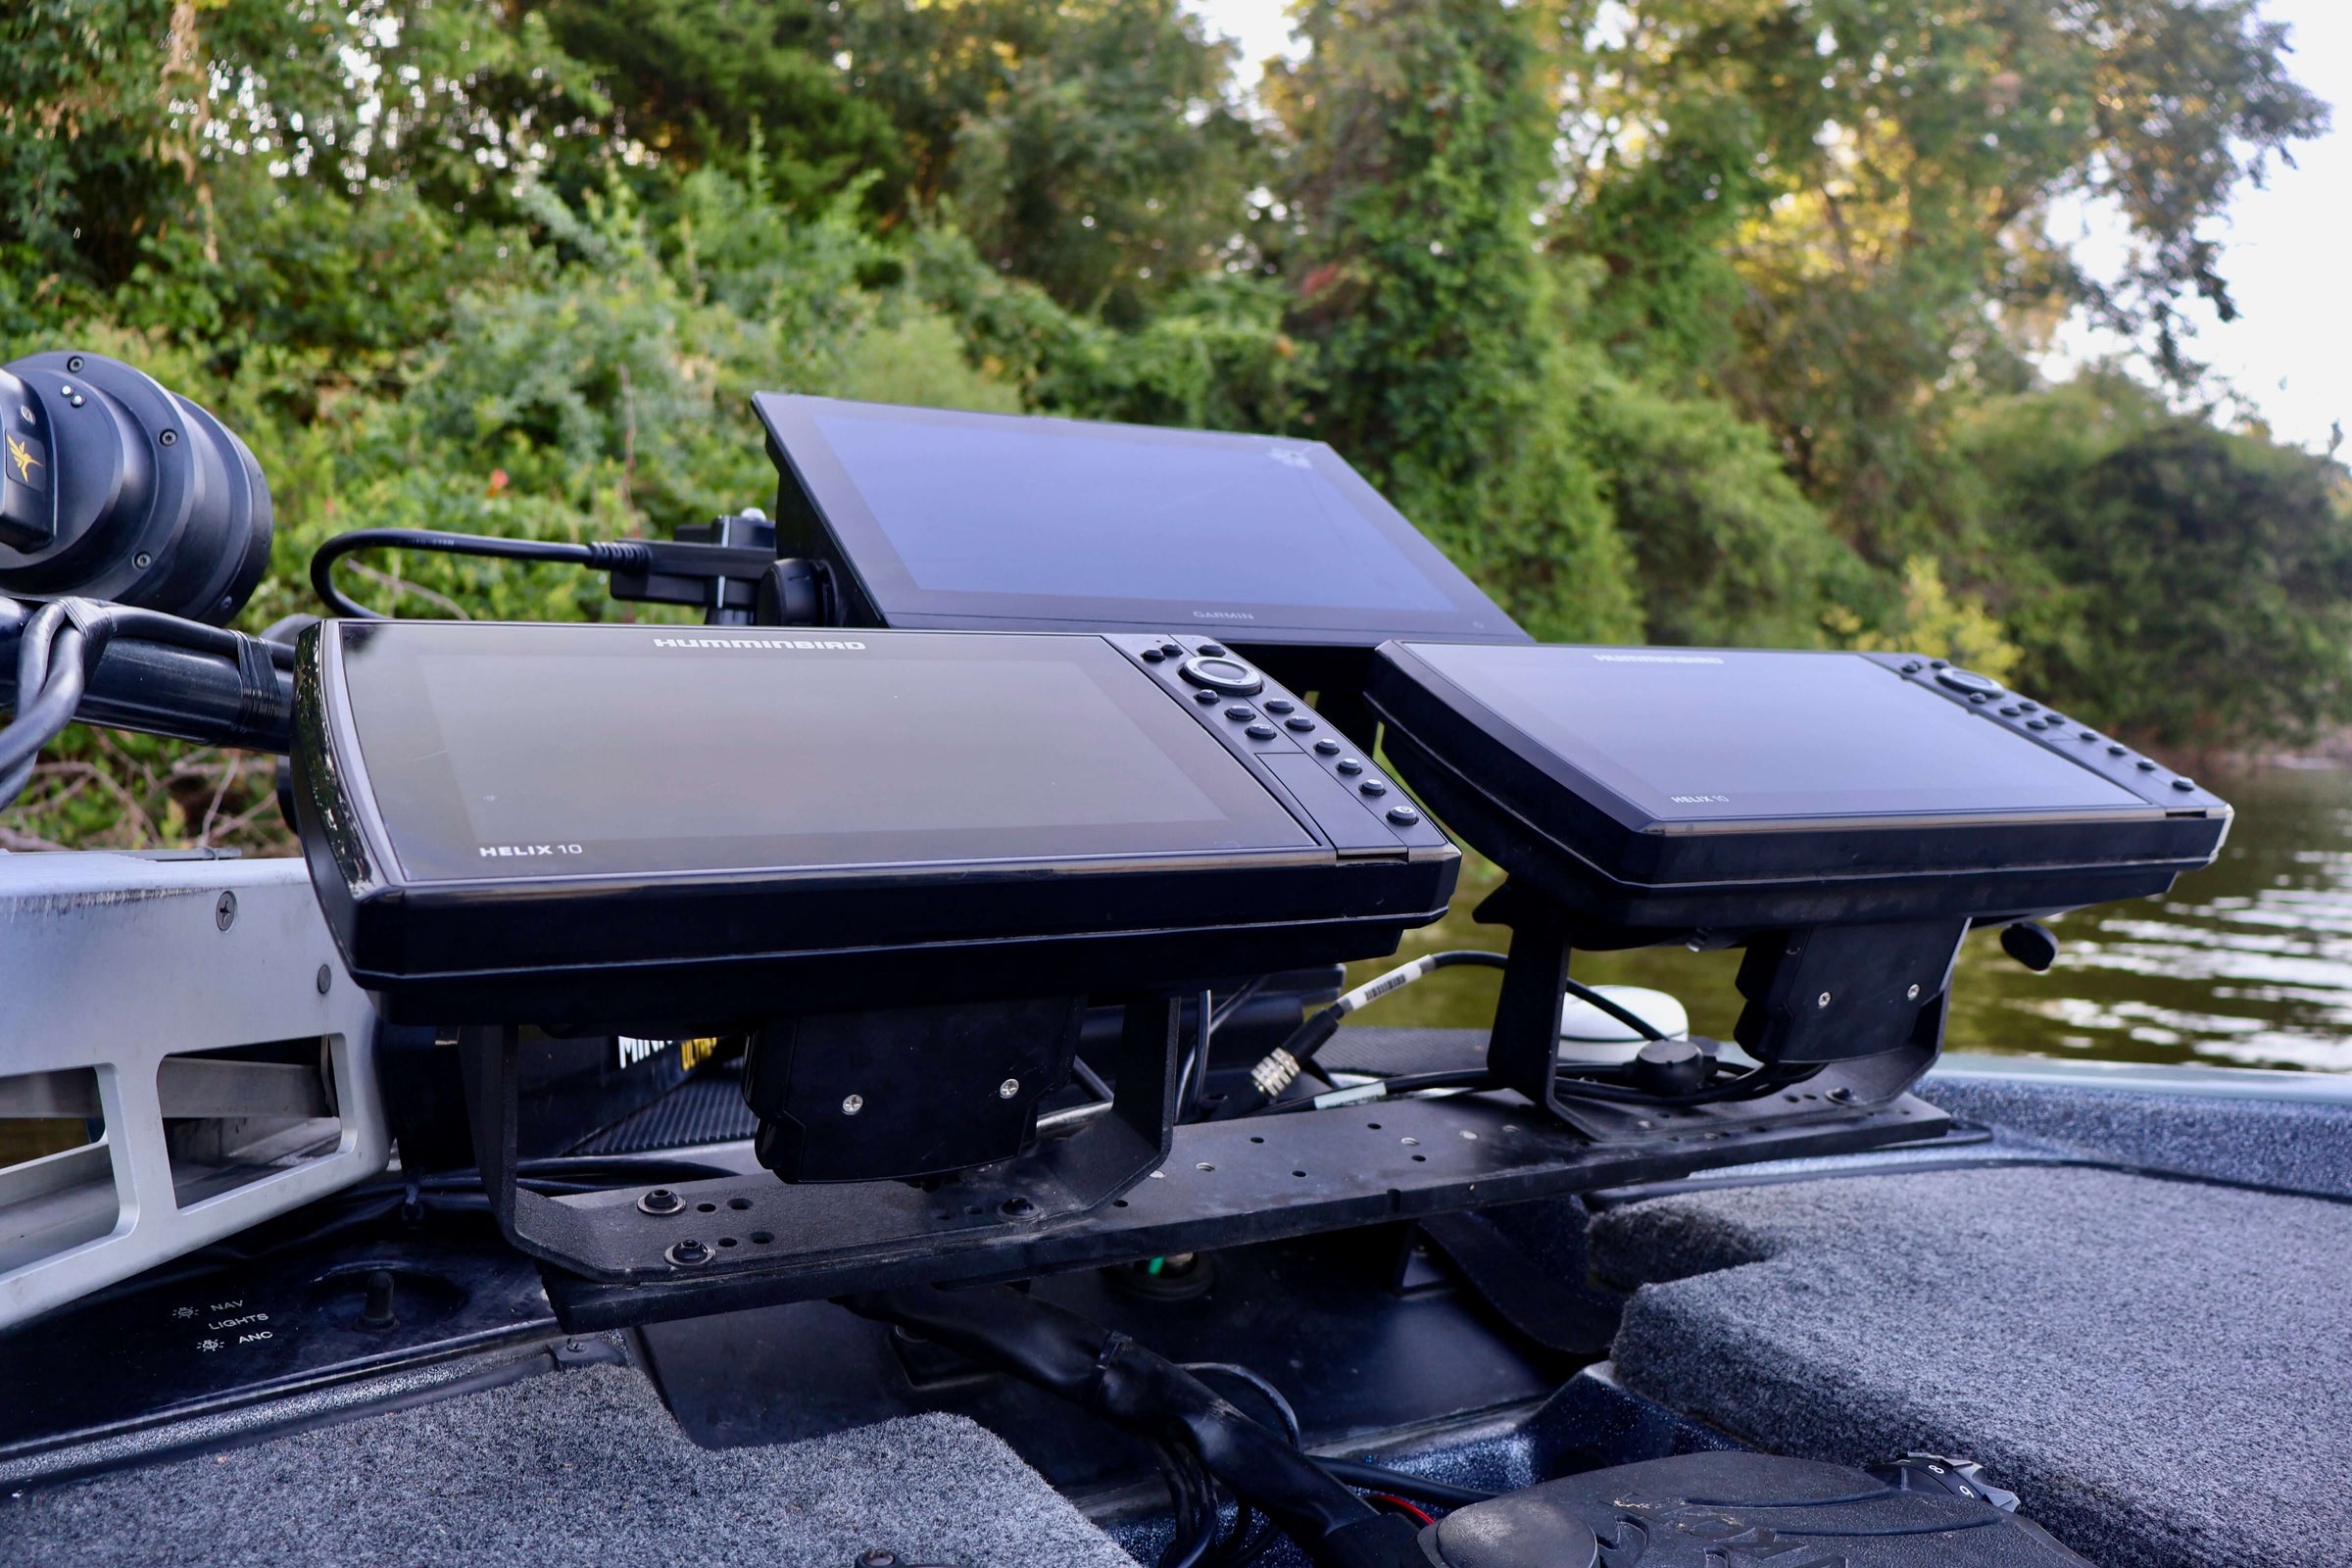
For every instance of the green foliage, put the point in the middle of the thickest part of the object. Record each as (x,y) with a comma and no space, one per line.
(1700,320)
(2188,584)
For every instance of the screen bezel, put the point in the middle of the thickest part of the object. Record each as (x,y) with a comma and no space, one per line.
(1595,786)
(805,461)
(1177,733)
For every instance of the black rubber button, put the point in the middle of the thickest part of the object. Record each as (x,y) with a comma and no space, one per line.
(1327,747)
(1152,655)
(2185,784)
(1262,732)
(1204,699)
(1403,815)
(2115,751)
(1348,765)
(2089,735)
(2028,706)
(2146,766)
(1278,705)
(1373,786)
(1980,697)
(1172,650)
(2010,710)
(1300,723)
(1213,649)
(1241,710)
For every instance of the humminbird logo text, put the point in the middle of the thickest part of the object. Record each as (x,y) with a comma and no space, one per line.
(757,642)
(507,852)
(1657,658)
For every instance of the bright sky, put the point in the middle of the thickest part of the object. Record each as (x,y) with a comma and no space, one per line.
(2287,248)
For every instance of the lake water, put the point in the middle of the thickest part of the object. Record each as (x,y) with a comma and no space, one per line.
(2247,963)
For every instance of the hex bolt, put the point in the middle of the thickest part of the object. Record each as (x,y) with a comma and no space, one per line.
(225,910)
(142,560)
(852,1104)
(170,438)
(1016,1207)
(687,1254)
(327,979)
(660,1201)
(1822,1001)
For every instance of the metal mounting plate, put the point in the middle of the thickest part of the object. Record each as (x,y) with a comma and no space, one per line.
(1224,1184)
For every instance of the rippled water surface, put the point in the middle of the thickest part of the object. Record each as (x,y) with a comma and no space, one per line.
(2247,963)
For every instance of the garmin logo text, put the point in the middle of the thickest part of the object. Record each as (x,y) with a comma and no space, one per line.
(1700,799)
(507,852)
(757,642)
(1222,614)
(1657,658)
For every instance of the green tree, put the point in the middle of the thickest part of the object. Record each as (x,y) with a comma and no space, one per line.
(2189,584)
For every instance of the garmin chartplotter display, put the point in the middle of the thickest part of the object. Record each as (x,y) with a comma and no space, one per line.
(564,824)
(1845,816)
(995,521)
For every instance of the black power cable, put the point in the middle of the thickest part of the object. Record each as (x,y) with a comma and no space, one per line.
(603,555)
(61,648)
(1107,1373)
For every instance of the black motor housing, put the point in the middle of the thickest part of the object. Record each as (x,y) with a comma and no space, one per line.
(1709,1510)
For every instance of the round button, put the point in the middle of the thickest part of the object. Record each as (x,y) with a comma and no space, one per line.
(2185,784)
(1300,723)
(1372,786)
(2010,710)
(1348,765)
(1171,651)
(1221,673)
(1980,697)
(2115,751)
(1967,681)
(1327,747)
(1262,732)
(2028,706)
(1152,655)
(1213,649)
(1278,705)
(2087,735)
(2036,723)
(1403,815)
(1241,710)
(2146,766)
(1912,666)
(1206,698)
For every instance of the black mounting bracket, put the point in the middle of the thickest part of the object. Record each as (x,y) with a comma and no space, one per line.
(748,1223)
(1890,1001)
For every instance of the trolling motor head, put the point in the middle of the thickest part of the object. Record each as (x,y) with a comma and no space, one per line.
(117,489)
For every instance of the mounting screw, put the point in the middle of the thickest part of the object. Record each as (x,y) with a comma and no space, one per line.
(225,910)
(170,438)
(74,365)
(327,979)
(852,1104)
(1842,1094)
(1016,1207)
(687,1254)
(660,1201)
(1009,1088)
(1913,993)
(142,560)
(1822,1001)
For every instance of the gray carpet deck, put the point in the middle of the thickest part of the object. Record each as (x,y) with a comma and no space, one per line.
(2161,1370)
(578,1469)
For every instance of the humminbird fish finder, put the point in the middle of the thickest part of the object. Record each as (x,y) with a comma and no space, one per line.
(999,521)
(670,830)
(1846,818)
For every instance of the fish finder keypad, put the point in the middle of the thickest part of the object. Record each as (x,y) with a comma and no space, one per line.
(1320,770)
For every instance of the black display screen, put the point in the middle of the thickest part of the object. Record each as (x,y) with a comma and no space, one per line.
(554,751)
(954,518)
(1696,736)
